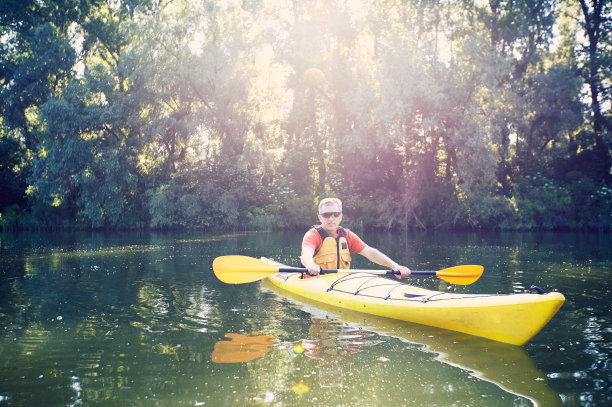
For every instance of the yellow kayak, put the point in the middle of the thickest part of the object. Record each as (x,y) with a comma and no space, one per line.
(512,318)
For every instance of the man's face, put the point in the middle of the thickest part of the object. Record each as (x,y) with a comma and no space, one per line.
(328,217)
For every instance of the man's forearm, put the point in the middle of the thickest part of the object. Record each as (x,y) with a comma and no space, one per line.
(379,257)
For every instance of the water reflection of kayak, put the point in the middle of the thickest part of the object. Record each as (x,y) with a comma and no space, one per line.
(512,318)
(506,366)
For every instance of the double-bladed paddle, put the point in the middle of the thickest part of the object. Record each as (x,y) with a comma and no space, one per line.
(244,269)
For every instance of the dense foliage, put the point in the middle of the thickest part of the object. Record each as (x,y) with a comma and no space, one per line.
(242,114)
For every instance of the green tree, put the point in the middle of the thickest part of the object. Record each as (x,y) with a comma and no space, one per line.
(597,59)
(13,168)
(419,114)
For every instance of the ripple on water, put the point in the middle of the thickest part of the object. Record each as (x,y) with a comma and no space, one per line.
(201,314)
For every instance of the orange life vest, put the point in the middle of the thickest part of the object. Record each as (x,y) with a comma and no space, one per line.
(334,253)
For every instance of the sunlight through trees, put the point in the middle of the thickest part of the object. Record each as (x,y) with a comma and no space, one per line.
(242,114)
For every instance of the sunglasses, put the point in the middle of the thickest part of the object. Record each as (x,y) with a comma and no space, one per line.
(327,215)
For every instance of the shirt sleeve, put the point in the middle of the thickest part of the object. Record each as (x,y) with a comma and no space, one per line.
(312,239)
(356,245)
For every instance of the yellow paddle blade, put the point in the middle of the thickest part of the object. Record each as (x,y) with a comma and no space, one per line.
(241,269)
(462,275)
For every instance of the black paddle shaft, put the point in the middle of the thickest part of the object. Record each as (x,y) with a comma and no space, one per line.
(331,271)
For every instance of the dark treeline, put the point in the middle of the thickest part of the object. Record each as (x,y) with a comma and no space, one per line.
(242,114)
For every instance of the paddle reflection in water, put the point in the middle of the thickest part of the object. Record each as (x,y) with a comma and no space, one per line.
(242,348)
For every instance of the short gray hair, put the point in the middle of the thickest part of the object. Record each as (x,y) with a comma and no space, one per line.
(329,201)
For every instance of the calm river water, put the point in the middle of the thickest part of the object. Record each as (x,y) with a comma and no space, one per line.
(128,319)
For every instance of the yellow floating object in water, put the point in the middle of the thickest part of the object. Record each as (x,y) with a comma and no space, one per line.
(510,318)
(300,388)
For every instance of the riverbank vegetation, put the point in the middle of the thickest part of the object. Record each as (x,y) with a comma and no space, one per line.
(242,114)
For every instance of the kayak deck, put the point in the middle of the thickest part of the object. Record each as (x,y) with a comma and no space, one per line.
(510,318)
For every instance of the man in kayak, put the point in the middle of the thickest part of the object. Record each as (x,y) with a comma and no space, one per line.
(329,246)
